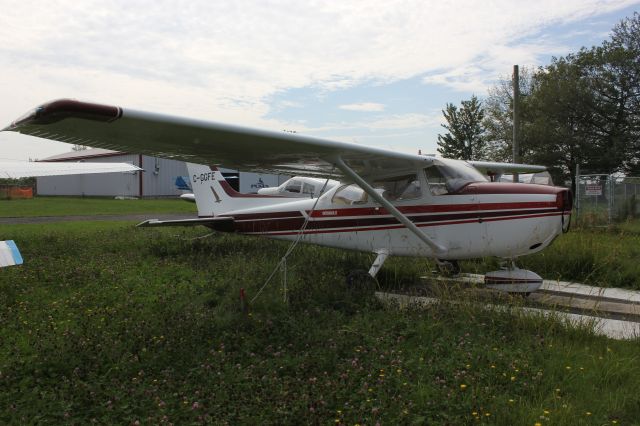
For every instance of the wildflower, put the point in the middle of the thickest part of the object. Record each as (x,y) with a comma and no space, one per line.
(546,412)
(463,386)
(588,413)
(511,401)
(475,413)
(538,424)
(513,378)
(568,367)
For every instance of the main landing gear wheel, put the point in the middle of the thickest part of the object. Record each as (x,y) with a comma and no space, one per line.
(448,268)
(360,282)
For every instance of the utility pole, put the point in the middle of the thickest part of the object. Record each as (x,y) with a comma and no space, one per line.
(516,120)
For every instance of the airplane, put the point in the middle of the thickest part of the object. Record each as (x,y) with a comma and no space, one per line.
(9,252)
(300,187)
(388,203)
(295,187)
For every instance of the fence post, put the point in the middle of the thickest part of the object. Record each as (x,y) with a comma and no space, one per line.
(577,195)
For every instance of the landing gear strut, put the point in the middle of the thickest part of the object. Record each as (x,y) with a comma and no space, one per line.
(365,281)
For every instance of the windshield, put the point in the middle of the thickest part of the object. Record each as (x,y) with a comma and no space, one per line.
(453,174)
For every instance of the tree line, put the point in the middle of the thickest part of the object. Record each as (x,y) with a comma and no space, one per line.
(581,109)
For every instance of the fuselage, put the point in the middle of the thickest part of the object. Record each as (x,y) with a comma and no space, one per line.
(479,219)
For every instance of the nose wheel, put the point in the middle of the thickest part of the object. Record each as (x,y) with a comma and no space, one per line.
(512,279)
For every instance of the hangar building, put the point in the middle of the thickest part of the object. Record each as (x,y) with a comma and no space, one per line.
(157,180)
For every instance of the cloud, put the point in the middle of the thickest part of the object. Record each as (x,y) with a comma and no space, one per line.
(388,122)
(225,60)
(363,106)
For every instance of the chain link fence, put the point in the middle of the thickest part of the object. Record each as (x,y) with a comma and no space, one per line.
(602,200)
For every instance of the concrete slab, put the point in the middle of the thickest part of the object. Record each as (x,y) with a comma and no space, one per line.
(612,328)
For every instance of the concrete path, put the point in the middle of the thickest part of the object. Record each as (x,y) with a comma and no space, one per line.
(613,328)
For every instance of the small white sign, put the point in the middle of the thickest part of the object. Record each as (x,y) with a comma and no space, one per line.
(593,189)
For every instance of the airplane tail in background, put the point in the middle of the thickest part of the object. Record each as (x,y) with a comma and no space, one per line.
(214,196)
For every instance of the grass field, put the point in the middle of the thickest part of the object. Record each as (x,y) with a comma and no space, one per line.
(67,206)
(110,324)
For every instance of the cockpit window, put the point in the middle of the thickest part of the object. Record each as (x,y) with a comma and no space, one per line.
(437,182)
(308,188)
(447,178)
(293,186)
(349,195)
(399,188)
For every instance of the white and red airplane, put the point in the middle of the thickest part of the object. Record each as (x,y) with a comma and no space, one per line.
(389,202)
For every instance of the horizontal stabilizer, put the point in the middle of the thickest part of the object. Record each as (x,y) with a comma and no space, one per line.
(223,224)
(9,254)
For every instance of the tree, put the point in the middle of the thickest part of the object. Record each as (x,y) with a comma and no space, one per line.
(464,139)
(498,120)
(581,109)
(559,130)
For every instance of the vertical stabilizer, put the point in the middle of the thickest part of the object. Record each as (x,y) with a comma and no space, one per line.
(214,196)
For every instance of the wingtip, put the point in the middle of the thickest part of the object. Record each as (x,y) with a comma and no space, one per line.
(60,109)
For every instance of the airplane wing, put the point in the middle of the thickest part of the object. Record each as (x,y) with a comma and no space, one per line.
(9,254)
(205,142)
(21,169)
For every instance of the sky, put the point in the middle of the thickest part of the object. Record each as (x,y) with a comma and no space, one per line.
(372,72)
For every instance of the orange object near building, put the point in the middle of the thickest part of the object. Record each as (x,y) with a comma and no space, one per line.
(12,192)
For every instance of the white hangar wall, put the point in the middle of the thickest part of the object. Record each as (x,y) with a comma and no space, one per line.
(158,179)
(107,184)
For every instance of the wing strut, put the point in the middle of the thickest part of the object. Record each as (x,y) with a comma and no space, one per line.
(437,248)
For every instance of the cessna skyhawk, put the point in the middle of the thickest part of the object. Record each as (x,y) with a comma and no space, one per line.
(389,202)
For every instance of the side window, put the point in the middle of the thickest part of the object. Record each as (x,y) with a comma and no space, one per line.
(308,188)
(405,187)
(435,179)
(349,195)
(294,186)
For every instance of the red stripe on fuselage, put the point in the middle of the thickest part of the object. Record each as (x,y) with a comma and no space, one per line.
(433,208)
(391,227)
(288,221)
